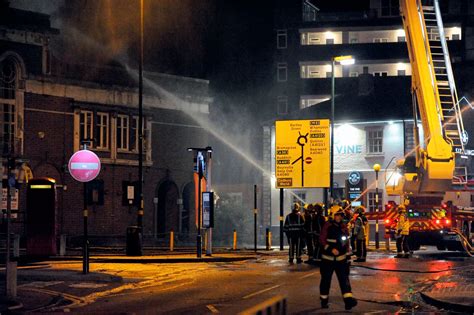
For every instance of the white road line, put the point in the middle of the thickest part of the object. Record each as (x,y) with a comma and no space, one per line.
(309,275)
(212,308)
(261,291)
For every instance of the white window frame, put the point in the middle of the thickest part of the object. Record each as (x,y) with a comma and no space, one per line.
(282,66)
(103,130)
(371,204)
(282,39)
(302,195)
(84,124)
(380,73)
(282,100)
(125,136)
(371,137)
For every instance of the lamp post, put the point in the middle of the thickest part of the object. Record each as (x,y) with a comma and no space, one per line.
(344,61)
(377,169)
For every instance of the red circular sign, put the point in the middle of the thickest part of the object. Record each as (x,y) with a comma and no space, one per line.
(84,166)
(308,160)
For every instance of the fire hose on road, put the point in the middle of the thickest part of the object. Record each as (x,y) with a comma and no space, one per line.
(465,243)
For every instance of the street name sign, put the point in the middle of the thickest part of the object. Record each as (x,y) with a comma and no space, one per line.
(84,166)
(302,153)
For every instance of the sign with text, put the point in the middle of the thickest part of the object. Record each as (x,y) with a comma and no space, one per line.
(302,153)
(13,200)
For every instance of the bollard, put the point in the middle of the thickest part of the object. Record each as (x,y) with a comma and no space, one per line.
(234,247)
(16,245)
(11,270)
(267,239)
(171,240)
(270,240)
(62,245)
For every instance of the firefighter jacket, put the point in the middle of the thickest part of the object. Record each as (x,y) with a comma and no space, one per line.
(360,231)
(318,223)
(403,225)
(294,225)
(334,236)
(308,226)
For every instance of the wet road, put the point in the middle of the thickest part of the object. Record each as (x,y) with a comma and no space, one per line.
(382,284)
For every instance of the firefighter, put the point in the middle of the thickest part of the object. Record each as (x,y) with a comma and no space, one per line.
(308,230)
(403,230)
(318,223)
(360,234)
(335,242)
(294,227)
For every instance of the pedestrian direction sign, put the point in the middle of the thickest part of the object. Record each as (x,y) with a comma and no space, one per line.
(302,153)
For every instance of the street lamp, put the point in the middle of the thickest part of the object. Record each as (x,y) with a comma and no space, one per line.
(199,153)
(377,169)
(344,61)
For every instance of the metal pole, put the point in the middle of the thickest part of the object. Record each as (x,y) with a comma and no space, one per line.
(140,124)
(281,218)
(255,217)
(199,237)
(10,267)
(331,177)
(209,186)
(377,245)
(85,245)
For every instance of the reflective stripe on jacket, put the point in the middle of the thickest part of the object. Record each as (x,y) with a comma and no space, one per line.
(403,224)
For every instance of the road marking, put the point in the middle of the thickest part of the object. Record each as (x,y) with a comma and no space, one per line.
(309,275)
(261,291)
(212,309)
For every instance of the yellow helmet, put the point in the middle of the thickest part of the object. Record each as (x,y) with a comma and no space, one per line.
(296,206)
(334,209)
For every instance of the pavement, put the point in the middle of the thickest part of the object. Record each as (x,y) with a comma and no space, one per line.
(444,281)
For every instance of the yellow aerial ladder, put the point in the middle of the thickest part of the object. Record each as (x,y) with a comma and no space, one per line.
(435,104)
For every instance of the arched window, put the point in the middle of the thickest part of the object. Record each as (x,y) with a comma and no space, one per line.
(9,76)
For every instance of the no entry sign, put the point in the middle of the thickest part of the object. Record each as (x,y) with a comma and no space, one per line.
(84,166)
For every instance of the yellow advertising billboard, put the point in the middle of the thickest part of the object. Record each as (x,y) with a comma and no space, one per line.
(302,153)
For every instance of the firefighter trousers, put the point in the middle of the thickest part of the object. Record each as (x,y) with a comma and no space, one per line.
(310,245)
(341,268)
(295,246)
(317,248)
(361,247)
(402,244)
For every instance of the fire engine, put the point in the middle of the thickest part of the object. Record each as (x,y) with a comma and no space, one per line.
(422,178)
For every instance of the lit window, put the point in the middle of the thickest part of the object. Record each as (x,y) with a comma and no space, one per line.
(282,72)
(86,125)
(329,41)
(8,85)
(122,132)
(282,38)
(282,105)
(102,136)
(372,202)
(375,141)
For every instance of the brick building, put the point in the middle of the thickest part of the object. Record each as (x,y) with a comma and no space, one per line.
(48,107)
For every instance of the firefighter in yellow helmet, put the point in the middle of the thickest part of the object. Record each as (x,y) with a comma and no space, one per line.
(360,234)
(403,230)
(334,240)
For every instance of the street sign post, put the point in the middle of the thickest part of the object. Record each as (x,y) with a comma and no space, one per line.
(302,153)
(84,166)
